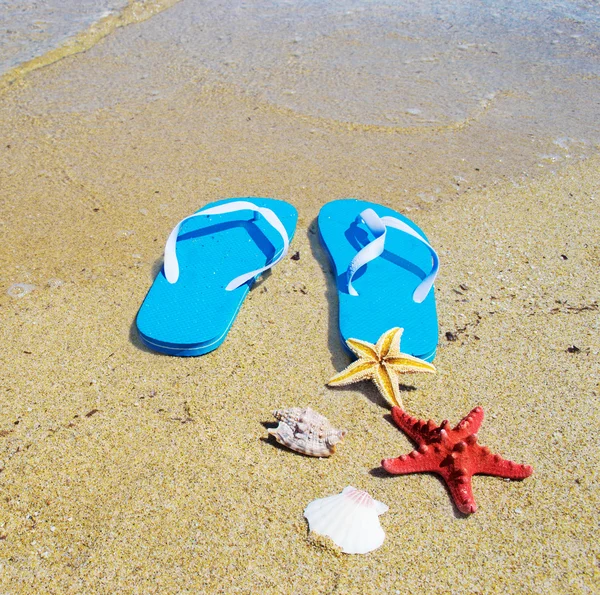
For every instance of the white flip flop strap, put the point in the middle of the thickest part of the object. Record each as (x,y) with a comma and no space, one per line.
(171,265)
(378,227)
(369,252)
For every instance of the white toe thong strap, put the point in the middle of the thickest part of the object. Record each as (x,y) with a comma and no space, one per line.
(171,266)
(378,227)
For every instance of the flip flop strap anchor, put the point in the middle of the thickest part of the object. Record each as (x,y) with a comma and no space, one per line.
(171,265)
(378,227)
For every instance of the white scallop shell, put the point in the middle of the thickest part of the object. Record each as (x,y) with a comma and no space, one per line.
(350,519)
(306,431)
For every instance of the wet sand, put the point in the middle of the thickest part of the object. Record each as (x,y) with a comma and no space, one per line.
(132,472)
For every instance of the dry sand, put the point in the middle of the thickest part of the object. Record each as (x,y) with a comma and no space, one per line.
(125,471)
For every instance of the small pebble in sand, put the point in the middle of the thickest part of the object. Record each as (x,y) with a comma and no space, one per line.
(19,290)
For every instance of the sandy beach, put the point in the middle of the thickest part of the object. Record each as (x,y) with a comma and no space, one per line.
(127,471)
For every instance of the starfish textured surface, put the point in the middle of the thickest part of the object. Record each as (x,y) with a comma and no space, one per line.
(381,363)
(452,453)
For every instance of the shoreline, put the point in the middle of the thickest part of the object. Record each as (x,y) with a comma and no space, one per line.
(136,11)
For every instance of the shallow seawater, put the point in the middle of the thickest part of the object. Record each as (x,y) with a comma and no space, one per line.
(417,64)
(404,63)
(527,73)
(30,28)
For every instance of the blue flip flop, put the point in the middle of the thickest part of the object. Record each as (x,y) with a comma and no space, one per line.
(211,259)
(384,276)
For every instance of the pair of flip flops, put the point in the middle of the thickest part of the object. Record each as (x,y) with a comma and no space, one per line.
(384,267)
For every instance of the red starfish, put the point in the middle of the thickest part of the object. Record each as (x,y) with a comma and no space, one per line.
(453,454)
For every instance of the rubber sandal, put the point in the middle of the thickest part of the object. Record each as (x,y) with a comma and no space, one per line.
(211,259)
(385,269)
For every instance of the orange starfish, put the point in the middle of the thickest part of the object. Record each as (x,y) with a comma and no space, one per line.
(452,453)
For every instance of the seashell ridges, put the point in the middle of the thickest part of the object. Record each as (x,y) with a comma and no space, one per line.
(306,431)
(349,519)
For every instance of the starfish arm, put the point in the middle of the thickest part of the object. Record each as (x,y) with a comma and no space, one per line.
(387,383)
(359,370)
(416,429)
(469,424)
(386,341)
(461,491)
(362,349)
(415,462)
(492,464)
(405,363)
(394,349)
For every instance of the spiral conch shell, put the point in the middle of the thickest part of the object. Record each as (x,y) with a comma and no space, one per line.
(306,431)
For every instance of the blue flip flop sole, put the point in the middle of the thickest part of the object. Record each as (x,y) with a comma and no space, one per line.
(385,285)
(193,316)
